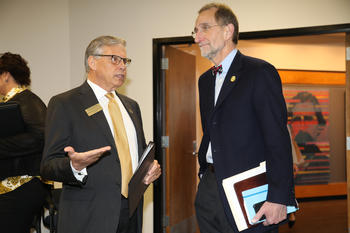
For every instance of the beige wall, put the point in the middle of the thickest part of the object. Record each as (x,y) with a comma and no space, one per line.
(38,30)
(317,52)
(52,36)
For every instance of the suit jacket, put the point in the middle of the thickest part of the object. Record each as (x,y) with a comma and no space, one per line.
(21,154)
(93,205)
(247,126)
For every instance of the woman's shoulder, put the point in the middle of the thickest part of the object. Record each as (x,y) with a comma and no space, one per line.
(27,96)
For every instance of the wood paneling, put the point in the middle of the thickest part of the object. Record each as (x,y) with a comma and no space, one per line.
(312,77)
(321,190)
(323,216)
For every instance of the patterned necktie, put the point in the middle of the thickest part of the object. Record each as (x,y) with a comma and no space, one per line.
(216,69)
(121,142)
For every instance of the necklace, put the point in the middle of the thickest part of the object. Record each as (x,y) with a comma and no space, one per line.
(13,92)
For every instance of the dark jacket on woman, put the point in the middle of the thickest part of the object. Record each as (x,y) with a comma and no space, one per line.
(21,154)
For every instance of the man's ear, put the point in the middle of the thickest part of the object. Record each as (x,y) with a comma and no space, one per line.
(92,63)
(229,29)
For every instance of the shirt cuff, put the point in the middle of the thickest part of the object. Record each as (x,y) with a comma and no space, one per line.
(79,175)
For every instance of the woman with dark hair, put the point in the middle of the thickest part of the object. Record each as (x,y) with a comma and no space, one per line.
(22,194)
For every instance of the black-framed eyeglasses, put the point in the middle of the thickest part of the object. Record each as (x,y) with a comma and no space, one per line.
(116,59)
(204,28)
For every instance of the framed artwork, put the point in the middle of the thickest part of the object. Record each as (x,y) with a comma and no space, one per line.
(308,115)
(316,123)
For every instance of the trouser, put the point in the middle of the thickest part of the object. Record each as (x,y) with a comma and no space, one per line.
(18,207)
(126,224)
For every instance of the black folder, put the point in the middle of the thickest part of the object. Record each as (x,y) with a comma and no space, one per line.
(11,121)
(136,185)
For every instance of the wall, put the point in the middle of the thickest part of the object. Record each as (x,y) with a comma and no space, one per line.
(141,21)
(52,36)
(38,30)
(315,52)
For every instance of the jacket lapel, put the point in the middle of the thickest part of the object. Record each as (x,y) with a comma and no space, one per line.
(231,79)
(88,99)
(210,90)
(130,111)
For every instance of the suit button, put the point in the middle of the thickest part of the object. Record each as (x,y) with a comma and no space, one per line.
(215,122)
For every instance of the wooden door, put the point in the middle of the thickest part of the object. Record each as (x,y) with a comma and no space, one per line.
(347,119)
(180,127)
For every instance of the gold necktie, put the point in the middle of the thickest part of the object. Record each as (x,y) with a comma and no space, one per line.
(121,142)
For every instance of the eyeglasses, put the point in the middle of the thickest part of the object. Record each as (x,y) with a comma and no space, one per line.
(204,28)
(116,59)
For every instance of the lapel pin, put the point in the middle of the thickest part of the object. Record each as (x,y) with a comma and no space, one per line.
(93,109)
(233,78)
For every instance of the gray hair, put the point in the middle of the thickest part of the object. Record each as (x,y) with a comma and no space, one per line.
(224,15)
(95,47)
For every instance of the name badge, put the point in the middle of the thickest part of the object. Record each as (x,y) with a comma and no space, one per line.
(233,78)
(93,109)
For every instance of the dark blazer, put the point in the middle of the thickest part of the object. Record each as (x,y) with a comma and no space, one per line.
(93,205)
(247,126)
(21,154)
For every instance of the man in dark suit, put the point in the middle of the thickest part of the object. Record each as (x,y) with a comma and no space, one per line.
(83,146)
(243,115)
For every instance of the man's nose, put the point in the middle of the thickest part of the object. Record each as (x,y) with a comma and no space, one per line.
(198,37)
(122,66)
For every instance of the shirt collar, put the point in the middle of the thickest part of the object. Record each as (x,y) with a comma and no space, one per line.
(226,63)
(99,91)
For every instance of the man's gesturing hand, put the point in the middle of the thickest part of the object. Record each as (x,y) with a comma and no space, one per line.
(81,160)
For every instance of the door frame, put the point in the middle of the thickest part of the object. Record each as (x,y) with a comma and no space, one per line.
(159,124)
(158,97)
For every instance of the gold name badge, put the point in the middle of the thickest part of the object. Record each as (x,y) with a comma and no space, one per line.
(233,78)
(93,109)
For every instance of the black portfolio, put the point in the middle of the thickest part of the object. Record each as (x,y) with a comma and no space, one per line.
(11,121)
(136,186)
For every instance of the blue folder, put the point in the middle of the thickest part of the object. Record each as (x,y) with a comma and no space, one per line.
(253,199)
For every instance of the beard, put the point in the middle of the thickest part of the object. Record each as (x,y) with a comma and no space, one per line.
(209,51)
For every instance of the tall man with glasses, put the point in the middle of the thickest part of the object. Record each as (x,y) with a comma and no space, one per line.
(94,139)
(244,117)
